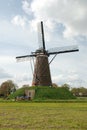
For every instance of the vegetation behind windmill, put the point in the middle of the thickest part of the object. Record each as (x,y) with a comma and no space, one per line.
(10,90)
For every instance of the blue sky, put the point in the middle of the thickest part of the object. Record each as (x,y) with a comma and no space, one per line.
(65,23)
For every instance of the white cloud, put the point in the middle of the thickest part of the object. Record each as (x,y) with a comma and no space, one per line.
(26,6)
(22,79)
(4,74)
(16,36)
(73,79)
(19,20)
(7,59)
(72,14)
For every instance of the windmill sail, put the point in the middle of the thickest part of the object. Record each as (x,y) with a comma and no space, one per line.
(41,39)
(24,58)
(65,49)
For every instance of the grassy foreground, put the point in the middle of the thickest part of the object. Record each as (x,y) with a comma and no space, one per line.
(43,116)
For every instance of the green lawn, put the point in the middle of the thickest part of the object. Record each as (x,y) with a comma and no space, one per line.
(43,116)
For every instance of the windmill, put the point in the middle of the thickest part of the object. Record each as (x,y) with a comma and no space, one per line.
(41,74)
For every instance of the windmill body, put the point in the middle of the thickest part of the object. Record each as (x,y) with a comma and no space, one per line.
(41,74)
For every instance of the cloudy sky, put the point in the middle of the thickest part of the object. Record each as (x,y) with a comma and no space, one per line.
(65,23)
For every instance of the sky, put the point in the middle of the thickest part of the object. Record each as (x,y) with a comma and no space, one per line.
(65,24)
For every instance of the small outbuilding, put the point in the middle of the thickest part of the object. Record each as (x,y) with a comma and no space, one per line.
(30,94)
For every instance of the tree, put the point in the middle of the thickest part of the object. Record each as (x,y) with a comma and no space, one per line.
(54,85)
(7,88)
(79,91)
(25,85)
(67,86)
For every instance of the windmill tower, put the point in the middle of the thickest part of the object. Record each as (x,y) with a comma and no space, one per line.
(41,75)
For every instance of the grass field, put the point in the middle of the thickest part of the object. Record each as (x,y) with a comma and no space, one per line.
(43,116)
